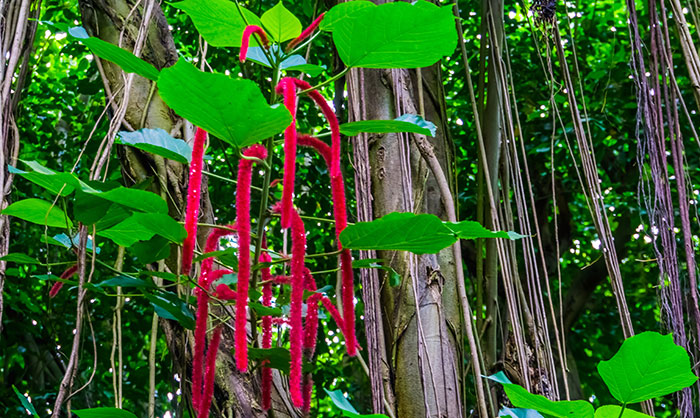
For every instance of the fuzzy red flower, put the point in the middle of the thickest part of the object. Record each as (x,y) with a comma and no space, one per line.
(208,391)
(306,33)
(193,194)
(245,167)
(245,40)
(287,88)
(67,274)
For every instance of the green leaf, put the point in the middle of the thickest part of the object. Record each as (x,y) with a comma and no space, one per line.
(613,411)
(20,258)
(163,225)
(378,263)
(140,200)
(280,23)
(265,310)
(54,182)
(396,35)
(420,234)
(25,402)
(124,281)
(159,142)
(128,62)
(169,306)
(342,11)
(103,413)
(521,398)
(405,123)
(89,209)
(473,230)
(156,248)
(310,69)
(39,212)
(128,232)
(342,403)
(256,54)
(647,365)
(219,21)
(231,109)
(518,413)
(278,357)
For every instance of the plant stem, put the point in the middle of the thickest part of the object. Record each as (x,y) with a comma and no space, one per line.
(622,411)
(328,81)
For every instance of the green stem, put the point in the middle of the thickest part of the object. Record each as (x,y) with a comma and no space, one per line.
(328,81)
(622,411)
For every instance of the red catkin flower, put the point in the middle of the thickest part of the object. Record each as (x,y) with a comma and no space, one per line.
(332,122)
(306,33)
(245,40)
(296,301)
(67,274)
(287,87)
(211,245)
(341,221)
(208,391)
(330,307)
(193,194)
(200,330)
(200,339)
(245,167)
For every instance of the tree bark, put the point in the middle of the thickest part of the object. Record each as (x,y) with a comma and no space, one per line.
(421,316)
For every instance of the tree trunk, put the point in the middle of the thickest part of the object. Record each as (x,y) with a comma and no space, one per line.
(421,317)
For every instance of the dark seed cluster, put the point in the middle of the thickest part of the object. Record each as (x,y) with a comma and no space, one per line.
(544,10)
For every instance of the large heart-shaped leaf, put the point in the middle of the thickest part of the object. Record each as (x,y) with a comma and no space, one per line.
(613,411)
(159,142)
(219,21)
(167,305)
(396,35)
(128,62)
(163,225)
(128,232)
(103,413)
(421,234)
(646,366)
(53,181)
(39,212)
(342,11)
(346,408)
(280,23)
(521,398)
(473,230)
(140,200)
(404,123)
(231,109)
